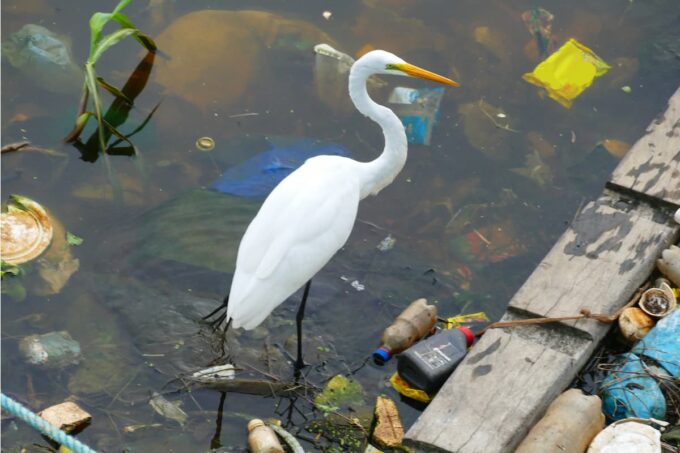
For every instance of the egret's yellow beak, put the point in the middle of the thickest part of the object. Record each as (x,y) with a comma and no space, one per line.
(415,71)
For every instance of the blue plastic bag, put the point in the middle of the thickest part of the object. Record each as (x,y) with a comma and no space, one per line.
(257,176)
(629,391)
(662,344)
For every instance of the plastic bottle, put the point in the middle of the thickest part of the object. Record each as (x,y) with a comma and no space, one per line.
(570,423)
(410,326)
(427,364)
(262,439)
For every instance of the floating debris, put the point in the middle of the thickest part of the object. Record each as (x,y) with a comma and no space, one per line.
(26,230)
(568,72)
(539,23)
(262,439)
(43,57)
(357,285)
(215,374)
(616,148)
(205,144)
(68,417)
(634,324)
(167,409)
(658,302)
(387,243)
(52,350)
(388,431)
(326,15)
(339,391)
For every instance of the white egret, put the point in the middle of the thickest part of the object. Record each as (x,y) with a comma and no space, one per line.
(308,217)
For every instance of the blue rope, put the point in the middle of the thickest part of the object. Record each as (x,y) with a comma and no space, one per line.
(43,426)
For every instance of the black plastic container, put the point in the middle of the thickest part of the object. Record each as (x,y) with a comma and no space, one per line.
(427,364)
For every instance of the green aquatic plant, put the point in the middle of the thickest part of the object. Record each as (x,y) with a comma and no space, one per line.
(99,44)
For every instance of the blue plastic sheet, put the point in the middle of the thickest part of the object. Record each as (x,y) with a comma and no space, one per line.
(662,344)
(257,176)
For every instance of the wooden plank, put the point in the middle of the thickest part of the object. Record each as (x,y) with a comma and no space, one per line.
(608,251)
(500,390)
(511,376)
(652,166)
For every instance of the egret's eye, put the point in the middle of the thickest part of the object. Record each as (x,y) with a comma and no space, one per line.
(392,67)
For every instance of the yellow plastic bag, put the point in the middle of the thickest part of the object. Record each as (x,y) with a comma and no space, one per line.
(405,389)
(457,321)
(567,72)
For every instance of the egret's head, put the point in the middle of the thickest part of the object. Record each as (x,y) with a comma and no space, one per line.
(382,62)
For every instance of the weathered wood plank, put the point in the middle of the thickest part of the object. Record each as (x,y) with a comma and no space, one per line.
(500,390)
(608,251)
(510,377)
(652,166)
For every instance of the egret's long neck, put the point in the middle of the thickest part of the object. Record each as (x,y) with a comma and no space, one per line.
(378,173)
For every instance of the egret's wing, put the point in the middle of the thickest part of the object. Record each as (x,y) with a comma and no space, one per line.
(300,226)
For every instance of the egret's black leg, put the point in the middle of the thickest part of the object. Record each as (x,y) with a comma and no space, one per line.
(299,364)
(217,322)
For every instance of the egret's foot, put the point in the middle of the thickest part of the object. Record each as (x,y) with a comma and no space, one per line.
(221,313)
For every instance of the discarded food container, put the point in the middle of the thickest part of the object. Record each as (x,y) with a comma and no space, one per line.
(627,436)
(26,230)
(669,263)
(568,72)
(661,344)
(427,364)
(568,426)
(68,417)
(418,110)
(416,321)
(43,57)
(52,350)
(262,439)
(630,391)
(658,302)
(257,176)
(634,324)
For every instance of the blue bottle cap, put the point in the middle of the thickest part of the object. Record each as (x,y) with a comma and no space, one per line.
(382,355)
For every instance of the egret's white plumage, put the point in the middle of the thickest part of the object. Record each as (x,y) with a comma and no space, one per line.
(309,216)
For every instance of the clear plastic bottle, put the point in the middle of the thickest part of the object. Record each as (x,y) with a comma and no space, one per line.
(427,364)
(416,321)
(262,439)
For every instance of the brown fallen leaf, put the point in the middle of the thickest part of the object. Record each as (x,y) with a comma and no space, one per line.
(616,148)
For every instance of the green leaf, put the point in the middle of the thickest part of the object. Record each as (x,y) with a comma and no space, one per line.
(111,40)
(113,90)
(81,121)
(141,38)
(119,7)
(97,23)
(9,269)
(72,239)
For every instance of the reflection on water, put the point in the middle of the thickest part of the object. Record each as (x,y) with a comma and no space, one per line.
(471,213)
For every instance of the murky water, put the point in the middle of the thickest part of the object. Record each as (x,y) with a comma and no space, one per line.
(472,213)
